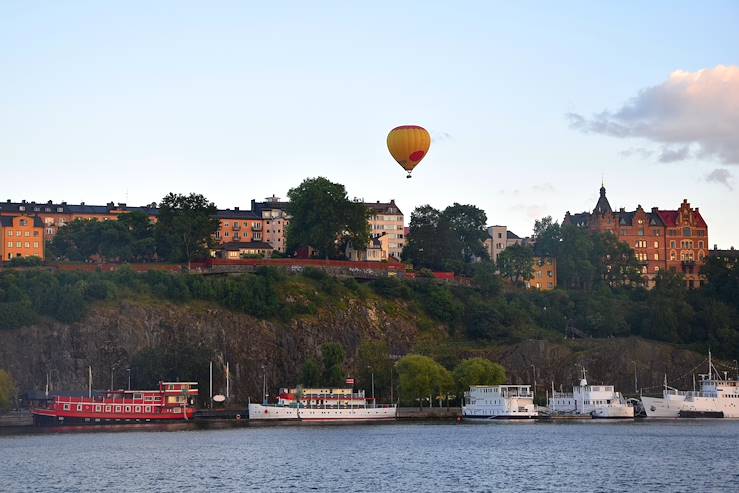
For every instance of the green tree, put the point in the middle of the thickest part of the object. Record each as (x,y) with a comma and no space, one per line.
(332,355)
(517,263)
(373,360)
(478,371)
(311,374)
(421,378)
(7,391)
(448,240)
(185,228)
(547,236)
(323,217)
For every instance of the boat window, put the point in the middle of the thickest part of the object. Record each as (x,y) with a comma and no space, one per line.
(107,409)
(79,407)
(118,409)
(66,407)
(148,409)
(128,409)
(98,409)
(138,409)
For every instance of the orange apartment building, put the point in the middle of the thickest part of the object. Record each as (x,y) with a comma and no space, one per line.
(22,236)
(544,274)
(661,239)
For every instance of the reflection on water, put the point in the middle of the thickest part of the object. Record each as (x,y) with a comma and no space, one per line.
(652,456)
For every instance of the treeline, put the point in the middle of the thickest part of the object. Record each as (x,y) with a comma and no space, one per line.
(486,311)
(183,232)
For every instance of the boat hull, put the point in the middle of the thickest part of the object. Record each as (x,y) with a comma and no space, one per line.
(701,414)
(499,417)
(656,407)
(259,412)
(42,417)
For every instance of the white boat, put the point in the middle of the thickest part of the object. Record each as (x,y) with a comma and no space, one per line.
(596,401)
(717,398)
(317,405)
(668,406)
(499,402)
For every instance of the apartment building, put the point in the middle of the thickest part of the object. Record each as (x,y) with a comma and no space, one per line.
(22,236)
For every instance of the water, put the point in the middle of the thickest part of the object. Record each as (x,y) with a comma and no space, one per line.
(598,456)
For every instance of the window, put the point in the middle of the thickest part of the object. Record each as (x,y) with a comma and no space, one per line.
(107,409)
(60,209)
(79,407)
(128,409)
(656,256)
(17,244)
(23,222)
(656,244)
(17,233)
(22,208)
(147,409)
(10,233)
(66,407)
(35,244)
(35,233)
(138,409)
(656,268)
(10,244)
(98,408)
(686,232)
(28,244)
(118,409)
(700,244)
(673,244)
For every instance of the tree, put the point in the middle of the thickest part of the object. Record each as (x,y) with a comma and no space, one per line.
(185,228)
(373,361)
(448,240)
(333,356)
(311,374)
(421,378)
(7,391)
(547,236)
(478,371)
(615,261)
(517,263)
(323,217)
(129,238)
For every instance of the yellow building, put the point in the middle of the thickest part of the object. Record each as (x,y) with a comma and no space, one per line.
(544,274)
(23,236)
(386,223)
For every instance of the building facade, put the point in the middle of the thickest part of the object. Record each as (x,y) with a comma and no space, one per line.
(544,274)
(387,220)
(275,220)
(22,236)
(661,239)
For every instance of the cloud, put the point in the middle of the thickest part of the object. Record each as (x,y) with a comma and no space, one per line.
(691,114)
(437,136)
(636,151)
(722,176)
(532,211)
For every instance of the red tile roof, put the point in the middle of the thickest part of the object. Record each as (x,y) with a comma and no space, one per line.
(670,218)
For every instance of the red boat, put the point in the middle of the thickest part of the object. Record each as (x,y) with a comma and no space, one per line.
(174,401)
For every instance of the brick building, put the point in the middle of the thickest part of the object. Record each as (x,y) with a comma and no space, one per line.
(661,239)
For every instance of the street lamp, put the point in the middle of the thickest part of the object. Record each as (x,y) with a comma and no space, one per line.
(372,373)
(129,378)
(534,368)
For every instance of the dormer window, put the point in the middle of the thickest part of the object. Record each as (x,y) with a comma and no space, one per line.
(60,209)
(21,207)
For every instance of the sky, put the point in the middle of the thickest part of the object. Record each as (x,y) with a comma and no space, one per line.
(529,105)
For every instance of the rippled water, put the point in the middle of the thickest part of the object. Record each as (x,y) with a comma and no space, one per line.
(597,456)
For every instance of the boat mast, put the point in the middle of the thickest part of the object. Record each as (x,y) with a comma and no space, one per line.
(89,382)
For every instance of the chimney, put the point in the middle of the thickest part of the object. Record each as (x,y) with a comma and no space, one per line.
(82,203)
(696,209)
(110,205)
(64,203)
(622,209)
(236,208)
(654,210)
(48,202)
(23,201)
(715,246)
(122,205)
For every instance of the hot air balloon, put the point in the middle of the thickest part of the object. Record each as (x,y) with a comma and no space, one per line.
(408,144)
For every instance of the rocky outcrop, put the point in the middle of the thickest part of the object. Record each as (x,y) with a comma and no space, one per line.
(114,332)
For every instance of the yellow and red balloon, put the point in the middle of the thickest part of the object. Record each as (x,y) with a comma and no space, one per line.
(408,144)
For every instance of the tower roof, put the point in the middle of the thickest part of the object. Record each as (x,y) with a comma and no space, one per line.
(602,207)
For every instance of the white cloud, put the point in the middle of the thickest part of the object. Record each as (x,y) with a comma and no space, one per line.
(691,114)
(722,176)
